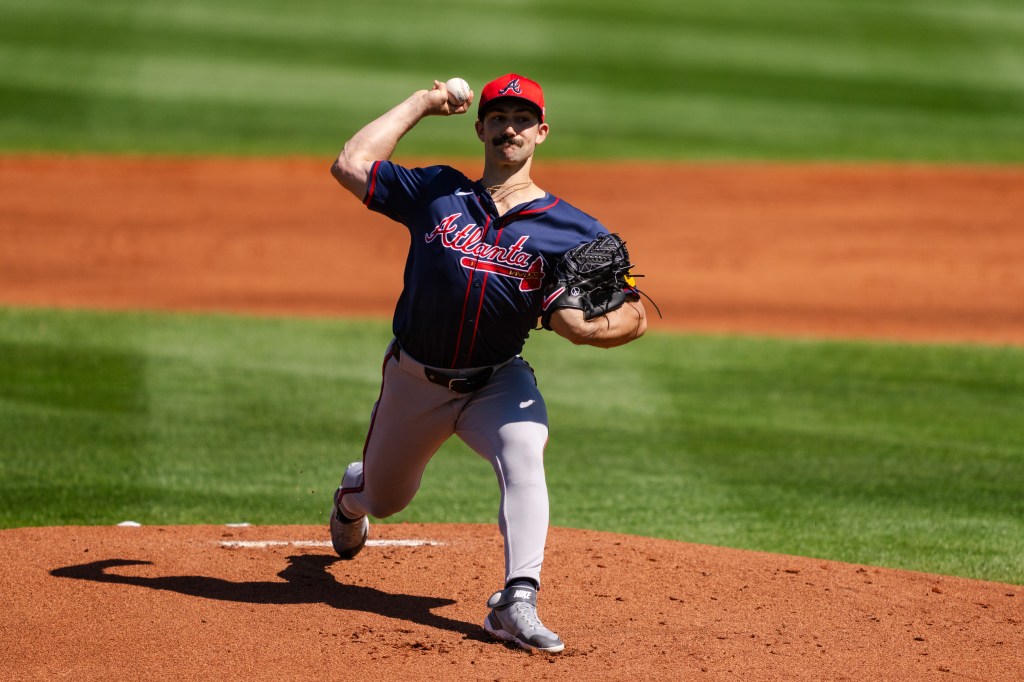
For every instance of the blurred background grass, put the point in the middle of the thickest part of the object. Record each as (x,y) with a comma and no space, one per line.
(936,80)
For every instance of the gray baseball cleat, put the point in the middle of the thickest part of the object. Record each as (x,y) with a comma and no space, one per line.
(513,618)
(348,535)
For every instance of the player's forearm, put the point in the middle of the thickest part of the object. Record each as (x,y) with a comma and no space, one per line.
(377,140)
(617,328)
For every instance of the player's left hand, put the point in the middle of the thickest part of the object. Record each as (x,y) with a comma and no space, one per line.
(592,277)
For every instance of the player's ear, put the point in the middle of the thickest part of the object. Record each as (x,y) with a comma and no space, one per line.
(542,132)
(480,129)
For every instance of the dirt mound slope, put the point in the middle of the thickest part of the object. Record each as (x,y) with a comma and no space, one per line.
(273,603)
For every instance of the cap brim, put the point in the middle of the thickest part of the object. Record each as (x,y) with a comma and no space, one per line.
(505,98)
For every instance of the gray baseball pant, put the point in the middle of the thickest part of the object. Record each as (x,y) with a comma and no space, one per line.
(505,422)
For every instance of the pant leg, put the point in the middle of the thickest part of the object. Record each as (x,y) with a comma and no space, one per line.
(506,422)
(410,420)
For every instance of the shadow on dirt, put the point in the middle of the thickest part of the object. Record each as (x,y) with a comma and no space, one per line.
(307,581)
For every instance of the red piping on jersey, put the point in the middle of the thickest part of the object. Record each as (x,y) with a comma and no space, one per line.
(483,291)
(551,298)
(483,286)
(538,210)
(373,183)
(462,319)
(476,325)
(465,304)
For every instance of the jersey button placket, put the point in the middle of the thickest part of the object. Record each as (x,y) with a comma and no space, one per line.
(470,320)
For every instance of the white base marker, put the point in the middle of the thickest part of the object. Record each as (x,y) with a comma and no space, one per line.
(263,544)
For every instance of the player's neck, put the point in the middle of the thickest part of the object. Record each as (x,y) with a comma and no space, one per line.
(510,186)
(506,172)
(510,194)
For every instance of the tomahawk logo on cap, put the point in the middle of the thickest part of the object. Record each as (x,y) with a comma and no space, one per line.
(513,85)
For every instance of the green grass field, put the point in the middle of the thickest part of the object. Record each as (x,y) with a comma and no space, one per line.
(938,80)
(896,455)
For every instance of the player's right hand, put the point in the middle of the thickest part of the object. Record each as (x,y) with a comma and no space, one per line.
(441,105)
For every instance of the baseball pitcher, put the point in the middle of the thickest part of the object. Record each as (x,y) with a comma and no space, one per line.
(489,261)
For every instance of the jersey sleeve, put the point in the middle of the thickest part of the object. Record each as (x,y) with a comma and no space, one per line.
(395,191)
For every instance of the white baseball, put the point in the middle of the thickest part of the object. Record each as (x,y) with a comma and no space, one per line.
(458,89)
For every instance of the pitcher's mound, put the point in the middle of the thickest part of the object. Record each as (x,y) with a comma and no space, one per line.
(275,603)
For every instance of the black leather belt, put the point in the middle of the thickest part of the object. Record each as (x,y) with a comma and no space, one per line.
(453,381)
(459,384)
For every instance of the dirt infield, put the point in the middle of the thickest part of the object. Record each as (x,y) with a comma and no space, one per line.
(189,603)
(928,254)
(903,253)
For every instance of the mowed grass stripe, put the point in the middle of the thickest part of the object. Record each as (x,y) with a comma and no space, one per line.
(740,79)
(899,455)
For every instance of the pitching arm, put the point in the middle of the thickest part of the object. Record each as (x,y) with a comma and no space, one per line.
(377,140)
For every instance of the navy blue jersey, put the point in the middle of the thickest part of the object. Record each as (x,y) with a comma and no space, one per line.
(473,280)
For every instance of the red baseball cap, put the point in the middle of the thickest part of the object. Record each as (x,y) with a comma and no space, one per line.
(512,85)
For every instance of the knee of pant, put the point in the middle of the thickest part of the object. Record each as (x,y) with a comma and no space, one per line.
(523,465)
(524,441)
(382,510)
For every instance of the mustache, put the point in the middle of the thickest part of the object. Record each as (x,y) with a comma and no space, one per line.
(510,139)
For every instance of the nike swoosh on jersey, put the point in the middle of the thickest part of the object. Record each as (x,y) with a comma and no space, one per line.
(460,193)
